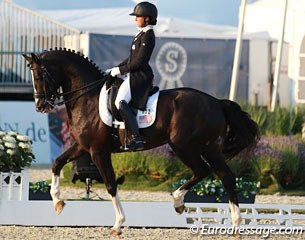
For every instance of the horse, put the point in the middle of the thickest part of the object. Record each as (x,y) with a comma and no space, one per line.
(203,131)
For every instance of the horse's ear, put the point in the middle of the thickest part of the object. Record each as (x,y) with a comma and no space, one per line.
(28,58)
(35,58)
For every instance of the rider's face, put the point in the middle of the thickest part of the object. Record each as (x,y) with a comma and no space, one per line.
(140,21)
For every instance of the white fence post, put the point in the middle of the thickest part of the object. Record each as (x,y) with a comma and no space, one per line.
(14,185)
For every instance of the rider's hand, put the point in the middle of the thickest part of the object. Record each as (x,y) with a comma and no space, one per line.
(115,71)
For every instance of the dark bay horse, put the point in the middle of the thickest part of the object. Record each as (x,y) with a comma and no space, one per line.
(203,131)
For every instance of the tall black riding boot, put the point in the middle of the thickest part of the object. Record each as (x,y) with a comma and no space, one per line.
(130,121)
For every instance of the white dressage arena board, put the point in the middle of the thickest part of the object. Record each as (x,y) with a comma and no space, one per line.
(147,214)
(16,209)
(89,213)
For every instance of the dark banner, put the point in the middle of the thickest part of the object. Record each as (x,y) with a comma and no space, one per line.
(203,64)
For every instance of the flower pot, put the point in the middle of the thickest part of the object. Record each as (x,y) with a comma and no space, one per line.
(193,197)
(40,196)
(241,199)
(39,190)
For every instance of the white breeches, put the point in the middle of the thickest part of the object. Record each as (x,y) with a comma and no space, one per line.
(124,92)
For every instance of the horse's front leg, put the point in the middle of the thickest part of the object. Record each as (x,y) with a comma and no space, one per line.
(119,214)
(70,154)
(102,160)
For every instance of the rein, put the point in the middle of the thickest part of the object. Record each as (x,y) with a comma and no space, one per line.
(90,87)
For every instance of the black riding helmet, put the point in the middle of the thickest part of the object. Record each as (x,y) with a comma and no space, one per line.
(146,9)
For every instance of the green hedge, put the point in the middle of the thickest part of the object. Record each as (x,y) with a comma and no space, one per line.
(277,162)
(159,163)
(283,121)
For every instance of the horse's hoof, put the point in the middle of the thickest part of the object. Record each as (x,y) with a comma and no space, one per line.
(180,209)
(59,207)
(116,232)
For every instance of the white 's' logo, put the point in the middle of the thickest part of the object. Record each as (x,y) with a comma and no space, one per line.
(171,63)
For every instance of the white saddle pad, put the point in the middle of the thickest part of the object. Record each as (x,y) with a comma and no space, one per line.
(145,118)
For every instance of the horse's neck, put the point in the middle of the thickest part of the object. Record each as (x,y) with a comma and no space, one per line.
(73,83)
(79,103)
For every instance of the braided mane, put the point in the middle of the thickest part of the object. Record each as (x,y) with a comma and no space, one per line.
(77,54)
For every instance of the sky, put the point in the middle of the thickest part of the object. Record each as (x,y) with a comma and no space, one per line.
(220,12)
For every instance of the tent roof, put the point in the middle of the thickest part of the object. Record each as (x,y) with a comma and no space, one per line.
(267,16)
(118,22)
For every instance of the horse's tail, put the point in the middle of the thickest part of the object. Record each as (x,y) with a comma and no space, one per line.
(243,132)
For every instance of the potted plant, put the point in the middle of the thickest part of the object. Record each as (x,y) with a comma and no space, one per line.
(40,190)
(212,190)
(15,155)
(15,151)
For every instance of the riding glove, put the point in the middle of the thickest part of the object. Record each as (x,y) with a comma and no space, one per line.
(115,71)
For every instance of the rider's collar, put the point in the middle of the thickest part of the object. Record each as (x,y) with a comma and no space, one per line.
(145,29)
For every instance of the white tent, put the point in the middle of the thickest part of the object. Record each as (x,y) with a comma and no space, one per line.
(116,21)
(266,16)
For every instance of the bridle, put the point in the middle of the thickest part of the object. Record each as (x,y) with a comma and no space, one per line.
(50,97)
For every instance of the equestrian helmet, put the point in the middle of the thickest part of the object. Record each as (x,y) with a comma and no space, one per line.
(146,9)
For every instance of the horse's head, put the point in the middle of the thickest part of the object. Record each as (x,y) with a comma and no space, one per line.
(45,87)
(76,75)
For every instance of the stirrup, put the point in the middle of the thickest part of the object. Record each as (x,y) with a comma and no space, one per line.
(135,144)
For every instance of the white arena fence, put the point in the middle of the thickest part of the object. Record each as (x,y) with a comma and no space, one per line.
(253,215)
(16,209)
(149,214)
(14,185)
(26,31)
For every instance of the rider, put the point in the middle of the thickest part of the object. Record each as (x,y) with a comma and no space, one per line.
(138,82)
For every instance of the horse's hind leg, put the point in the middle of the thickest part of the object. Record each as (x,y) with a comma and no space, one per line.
(200,170)
(70,154)
(228,180)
